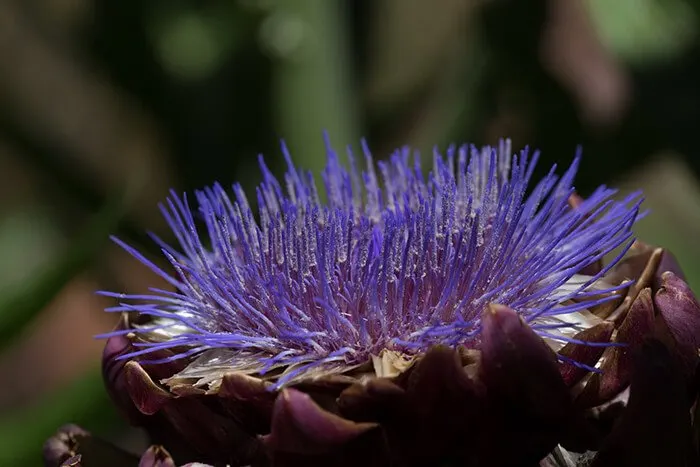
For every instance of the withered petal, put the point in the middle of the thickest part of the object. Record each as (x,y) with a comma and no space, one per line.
(655,428)
(300,426)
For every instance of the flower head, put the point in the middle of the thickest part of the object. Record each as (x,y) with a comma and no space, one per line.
(393,261)
(407,320)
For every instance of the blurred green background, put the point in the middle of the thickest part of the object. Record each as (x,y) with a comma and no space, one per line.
(105,105)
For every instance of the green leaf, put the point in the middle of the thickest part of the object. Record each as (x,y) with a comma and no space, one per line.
(24,303)
(642,30)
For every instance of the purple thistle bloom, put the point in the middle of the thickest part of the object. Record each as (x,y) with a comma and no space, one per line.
(431,321)
(392,261)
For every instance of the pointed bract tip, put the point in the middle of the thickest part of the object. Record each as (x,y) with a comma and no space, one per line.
(146,394)
(680,311)
(300,425)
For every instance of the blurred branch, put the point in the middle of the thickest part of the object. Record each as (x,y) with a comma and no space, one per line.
(419,86)
(48,160)
(574,54)
(413,41)
(18,309)
(83,402)
(309,42)
(103,136)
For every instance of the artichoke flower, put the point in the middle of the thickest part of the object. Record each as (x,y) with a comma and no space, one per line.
(466,318)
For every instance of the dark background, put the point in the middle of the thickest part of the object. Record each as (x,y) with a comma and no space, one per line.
(106,104)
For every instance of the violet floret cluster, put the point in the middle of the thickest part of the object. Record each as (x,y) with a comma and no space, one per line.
(386,258)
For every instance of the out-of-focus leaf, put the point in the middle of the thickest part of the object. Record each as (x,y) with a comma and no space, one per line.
(193,42)
(672,196)
(30,238)
(83,401)
(18,308)
(308,42)
(639,30)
